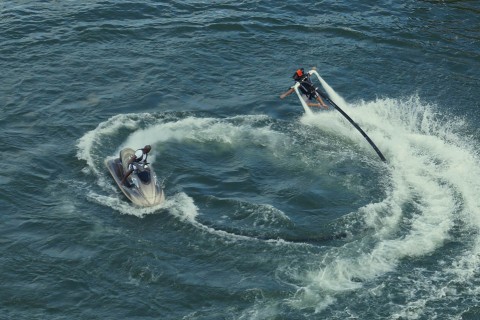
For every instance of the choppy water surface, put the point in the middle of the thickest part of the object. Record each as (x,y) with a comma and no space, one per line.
(270,213)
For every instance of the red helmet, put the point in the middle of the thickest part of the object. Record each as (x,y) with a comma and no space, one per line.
(299,74)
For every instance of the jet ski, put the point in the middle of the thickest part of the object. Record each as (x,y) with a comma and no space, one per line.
(142,186)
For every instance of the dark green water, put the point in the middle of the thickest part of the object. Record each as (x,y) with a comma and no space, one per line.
(270,213)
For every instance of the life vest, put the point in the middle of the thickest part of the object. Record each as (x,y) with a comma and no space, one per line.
(140,156)
(308,89)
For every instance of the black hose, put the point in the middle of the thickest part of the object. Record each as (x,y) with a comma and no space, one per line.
(355,125)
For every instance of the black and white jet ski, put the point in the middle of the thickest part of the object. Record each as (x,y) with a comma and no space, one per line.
(142,186)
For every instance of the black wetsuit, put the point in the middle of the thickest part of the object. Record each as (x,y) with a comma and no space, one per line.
(308,89)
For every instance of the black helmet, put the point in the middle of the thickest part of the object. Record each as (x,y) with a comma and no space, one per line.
(147,148)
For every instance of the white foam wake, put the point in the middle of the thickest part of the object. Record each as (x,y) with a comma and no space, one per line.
(433,180)
(141,129)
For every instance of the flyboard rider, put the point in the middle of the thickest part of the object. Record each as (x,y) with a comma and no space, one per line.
(307,89)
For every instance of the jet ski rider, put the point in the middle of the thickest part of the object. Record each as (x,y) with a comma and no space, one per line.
(308,90)
(139,158)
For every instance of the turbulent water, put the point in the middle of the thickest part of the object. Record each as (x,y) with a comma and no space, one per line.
(270,212)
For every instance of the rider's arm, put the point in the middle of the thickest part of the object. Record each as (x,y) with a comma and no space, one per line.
(129,172)
(289,92)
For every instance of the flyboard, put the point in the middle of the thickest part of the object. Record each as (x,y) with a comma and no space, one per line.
(326,98)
